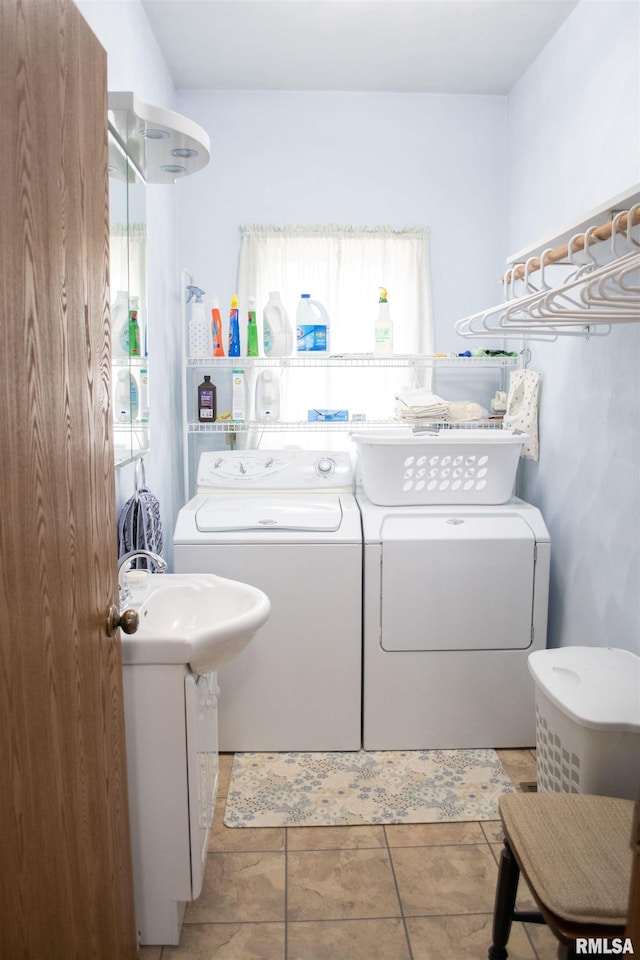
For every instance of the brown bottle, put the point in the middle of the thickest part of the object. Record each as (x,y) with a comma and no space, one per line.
(206,400)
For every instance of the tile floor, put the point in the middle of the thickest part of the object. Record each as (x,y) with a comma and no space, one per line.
(400,892)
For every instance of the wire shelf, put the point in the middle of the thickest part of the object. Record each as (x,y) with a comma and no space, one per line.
(338,426)
(355,360)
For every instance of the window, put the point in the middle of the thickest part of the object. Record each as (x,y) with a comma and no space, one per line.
(343,267)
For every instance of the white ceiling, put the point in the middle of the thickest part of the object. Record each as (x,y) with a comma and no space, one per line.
(435,46)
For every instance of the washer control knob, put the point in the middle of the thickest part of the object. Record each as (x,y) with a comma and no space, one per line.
(325,466)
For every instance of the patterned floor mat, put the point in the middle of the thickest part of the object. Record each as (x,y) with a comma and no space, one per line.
(330,789)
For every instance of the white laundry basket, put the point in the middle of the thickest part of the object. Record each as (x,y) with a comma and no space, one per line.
(400,468)
(587,720)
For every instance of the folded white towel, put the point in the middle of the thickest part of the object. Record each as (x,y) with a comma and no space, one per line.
(420,404)
(419,397)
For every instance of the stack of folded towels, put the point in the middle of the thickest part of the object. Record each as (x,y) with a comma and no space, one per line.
(416,406)
(420,404)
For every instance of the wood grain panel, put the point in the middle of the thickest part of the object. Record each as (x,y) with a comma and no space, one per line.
(65,882)
(633,920)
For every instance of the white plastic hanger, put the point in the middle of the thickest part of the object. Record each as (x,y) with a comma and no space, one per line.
(595,295)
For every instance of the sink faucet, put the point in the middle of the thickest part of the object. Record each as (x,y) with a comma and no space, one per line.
(125,563)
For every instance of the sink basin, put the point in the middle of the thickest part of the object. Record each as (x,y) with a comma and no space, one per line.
(195,618)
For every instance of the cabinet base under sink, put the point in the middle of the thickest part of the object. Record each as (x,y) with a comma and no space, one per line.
(172,767)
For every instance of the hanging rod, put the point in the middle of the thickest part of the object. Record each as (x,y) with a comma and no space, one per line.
(586,303)
(559,254)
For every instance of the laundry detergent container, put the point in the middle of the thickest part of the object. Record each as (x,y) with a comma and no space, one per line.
(587,720)
(400,468)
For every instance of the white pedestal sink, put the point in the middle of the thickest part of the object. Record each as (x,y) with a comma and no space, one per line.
(194,618)
(189,625)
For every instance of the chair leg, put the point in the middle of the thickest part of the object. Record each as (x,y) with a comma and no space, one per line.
(506,891)
(566,952)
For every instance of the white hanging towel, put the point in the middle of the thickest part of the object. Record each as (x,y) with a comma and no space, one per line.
(140,525)
(522,409)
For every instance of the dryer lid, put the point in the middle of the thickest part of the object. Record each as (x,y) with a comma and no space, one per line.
(313,514)
(456,583)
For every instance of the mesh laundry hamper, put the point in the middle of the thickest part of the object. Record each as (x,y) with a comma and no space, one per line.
(587,720)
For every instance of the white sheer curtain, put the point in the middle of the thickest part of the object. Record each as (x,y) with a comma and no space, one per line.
(343,267)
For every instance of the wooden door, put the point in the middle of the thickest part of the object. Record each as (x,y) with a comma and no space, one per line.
(633,920)
(65,863)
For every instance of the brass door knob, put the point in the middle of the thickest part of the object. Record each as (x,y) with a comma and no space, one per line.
(128,620)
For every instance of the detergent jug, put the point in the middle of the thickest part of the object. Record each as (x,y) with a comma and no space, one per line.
(120,325)
(312,323)
(268,396)
(277,329)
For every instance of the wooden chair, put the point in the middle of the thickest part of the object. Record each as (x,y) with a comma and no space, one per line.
(574,851)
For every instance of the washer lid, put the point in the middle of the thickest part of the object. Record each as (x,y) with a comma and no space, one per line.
(317,514)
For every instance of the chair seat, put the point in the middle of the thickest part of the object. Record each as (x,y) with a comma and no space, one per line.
(574,851)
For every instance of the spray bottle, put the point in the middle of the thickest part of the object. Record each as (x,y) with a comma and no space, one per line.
(216,328)
(234,328)
(383,328)
(200,336)
(252,330)
(134,329)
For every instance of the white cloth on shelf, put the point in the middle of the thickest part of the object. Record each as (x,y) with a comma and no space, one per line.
(466,410)
(420,404)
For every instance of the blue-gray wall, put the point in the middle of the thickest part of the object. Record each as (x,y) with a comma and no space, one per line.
(356,158)
(574,142)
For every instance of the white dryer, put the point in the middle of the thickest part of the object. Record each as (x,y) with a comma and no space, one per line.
(455,599)
(287,522)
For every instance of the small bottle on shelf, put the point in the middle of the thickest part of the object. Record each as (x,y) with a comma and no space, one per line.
(216,328)
(206,400)
(134,331)
(252,330)
(234,328)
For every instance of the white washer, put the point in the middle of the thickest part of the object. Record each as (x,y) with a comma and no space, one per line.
(287,522)
(455,599)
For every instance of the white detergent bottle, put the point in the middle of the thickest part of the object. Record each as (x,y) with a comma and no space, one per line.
(277,328)
(312,323)
(200,332)
(127,397)
(120,325)
(268,397)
